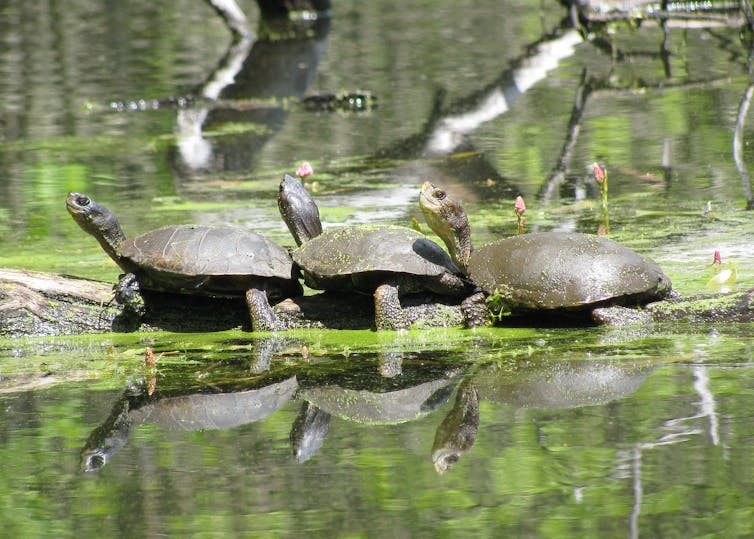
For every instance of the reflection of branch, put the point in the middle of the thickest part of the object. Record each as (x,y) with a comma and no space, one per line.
(738,157)
(589,88)
(707,402)
(557,176)
(638,492)
(234,17)
(447,127)
(678,20)
(707,410)
(665,47)
(748,13)
(446,133)
(195,150)
(680,14)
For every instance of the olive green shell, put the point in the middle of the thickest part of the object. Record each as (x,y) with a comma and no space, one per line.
(351,250)
(565,270)
(208,259)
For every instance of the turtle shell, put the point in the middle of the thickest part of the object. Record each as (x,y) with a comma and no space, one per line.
(565,270)
(348,251)
(210,260)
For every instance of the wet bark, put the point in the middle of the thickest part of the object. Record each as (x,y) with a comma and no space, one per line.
(39,304)
(49,304)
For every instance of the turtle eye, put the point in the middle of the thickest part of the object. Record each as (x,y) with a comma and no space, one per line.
(82,200)
(440,194)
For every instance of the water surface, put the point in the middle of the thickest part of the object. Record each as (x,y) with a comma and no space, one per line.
(588,432)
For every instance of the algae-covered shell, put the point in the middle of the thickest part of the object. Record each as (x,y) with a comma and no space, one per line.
(565,270)
(379,250)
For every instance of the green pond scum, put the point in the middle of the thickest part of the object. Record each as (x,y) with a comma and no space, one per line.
(549,432)
(112,358)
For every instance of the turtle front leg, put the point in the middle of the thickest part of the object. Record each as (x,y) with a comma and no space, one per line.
(263,318)
(128,294)
(388,314)
(475,311)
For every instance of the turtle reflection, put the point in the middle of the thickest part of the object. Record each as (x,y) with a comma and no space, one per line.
(546,384)
(457,433)
(393,395)
(309,431)
(562,383)
(195,411)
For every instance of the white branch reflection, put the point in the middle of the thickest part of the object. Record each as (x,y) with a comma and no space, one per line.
(194,148)
(679,431)
(449,132)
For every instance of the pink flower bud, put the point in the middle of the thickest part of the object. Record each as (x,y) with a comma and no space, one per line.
(305,170)
(599,173)
(519,206)
(718,260)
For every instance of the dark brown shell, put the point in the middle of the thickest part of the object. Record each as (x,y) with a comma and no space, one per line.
(210,259)
(565,270)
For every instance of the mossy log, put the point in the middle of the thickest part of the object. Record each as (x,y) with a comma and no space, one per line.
(721,308)
(39,304)
(34,303)
(712,308)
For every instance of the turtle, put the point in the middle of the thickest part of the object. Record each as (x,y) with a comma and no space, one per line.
(544,271)
(217,261)
(383,260)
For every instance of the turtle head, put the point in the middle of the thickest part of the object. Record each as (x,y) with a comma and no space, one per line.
(447,218)
(98,221)
(298,210)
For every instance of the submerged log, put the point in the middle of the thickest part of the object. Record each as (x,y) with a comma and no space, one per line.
(40,304)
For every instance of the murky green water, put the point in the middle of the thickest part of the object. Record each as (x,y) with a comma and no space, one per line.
(556,432)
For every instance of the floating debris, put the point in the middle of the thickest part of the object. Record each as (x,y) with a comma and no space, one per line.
(345,102)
